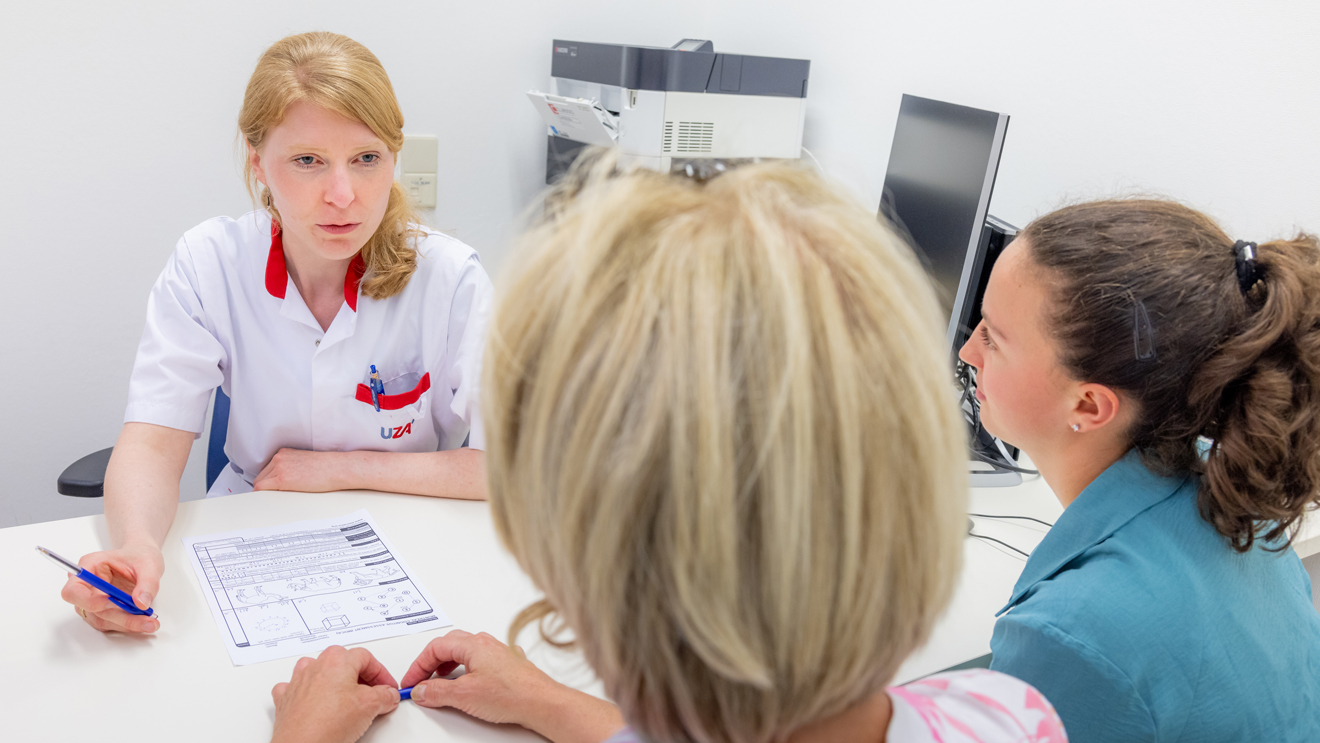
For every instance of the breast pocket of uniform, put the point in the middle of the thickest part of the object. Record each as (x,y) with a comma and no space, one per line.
(403,403)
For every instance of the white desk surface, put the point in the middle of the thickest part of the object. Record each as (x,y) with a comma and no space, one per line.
(65,681)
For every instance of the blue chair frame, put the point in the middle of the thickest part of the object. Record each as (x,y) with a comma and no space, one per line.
(85,478)
(216,460)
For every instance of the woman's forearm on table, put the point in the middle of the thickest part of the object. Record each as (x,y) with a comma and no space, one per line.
(456,473)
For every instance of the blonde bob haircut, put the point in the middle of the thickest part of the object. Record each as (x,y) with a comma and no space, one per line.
(338,74)
(723,441)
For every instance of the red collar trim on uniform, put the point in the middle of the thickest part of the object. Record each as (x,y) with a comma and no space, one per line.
(277,273)
(352,278)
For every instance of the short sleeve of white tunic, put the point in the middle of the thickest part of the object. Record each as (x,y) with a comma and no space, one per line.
(225,314)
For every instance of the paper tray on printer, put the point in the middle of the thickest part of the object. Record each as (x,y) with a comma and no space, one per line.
(576,118)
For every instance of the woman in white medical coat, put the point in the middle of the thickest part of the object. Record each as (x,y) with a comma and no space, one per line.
(288,309)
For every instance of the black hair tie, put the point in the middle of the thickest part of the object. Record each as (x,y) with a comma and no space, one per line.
(1248,272)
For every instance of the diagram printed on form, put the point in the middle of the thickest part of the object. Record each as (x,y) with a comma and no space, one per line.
(296,589)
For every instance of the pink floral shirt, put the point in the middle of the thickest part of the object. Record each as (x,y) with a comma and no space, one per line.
(976,706)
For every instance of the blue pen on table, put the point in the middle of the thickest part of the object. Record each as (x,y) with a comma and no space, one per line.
(377,388)
(121,599)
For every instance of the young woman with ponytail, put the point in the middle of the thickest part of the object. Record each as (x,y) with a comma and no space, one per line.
(1165,379)
(347,336)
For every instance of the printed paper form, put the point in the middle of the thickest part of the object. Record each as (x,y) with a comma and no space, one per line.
(576,118)
(298,588)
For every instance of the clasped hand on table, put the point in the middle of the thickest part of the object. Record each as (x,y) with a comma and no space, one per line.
(334,698)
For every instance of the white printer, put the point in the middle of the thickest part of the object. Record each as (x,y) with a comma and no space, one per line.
(663,107)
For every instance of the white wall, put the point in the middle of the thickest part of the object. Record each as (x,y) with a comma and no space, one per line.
(1214,103)
(1312,565)
(118,129)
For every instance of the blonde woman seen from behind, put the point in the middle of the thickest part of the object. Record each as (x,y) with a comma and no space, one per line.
(721,440)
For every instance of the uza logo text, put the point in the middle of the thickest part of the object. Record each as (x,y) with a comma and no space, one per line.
(397,432)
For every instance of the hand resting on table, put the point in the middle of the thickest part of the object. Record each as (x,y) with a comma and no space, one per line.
(334,698)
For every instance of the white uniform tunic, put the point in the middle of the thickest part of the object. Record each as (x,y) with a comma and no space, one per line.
(225,314)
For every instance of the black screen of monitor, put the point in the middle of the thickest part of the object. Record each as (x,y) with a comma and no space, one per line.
(941,168)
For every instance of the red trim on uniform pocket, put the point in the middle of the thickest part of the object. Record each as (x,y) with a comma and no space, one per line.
(394,402)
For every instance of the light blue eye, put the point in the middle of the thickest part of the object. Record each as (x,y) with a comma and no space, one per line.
(370,158)
(305,160)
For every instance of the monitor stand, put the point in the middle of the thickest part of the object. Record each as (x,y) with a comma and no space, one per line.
(982,475)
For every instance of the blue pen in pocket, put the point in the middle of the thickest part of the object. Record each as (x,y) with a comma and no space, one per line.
(120,599)
(377,388)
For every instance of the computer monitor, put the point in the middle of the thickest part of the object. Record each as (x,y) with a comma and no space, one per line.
(941,173)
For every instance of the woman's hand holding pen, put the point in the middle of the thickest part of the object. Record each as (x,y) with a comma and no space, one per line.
(334,698)
(501,685)
(141,494)
(134,568)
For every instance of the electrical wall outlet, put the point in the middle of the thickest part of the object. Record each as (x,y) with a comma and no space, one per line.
(418,164)
(420,188)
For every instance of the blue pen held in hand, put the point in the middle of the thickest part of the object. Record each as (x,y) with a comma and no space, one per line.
(121,599)
(377,388)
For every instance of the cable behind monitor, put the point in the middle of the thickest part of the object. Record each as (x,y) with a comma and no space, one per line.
(983,446)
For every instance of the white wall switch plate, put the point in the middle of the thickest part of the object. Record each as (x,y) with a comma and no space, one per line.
(419,154)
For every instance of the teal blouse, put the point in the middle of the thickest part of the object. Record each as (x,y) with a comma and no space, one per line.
(1139,622)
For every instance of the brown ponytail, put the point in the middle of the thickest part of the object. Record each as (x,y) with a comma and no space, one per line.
(1148,302)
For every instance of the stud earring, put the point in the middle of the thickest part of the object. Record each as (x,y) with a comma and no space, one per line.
(1076,428)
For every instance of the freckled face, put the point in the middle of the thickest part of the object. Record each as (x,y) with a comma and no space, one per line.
(1025,394)
(330,178)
